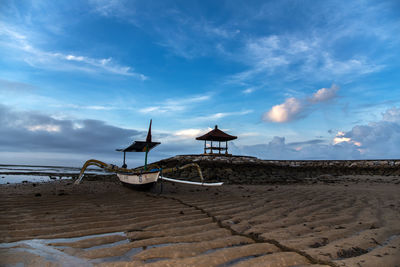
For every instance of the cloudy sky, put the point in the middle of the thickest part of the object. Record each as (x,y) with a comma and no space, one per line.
(292,79)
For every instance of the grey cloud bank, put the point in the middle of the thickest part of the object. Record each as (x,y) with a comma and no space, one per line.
(30,134)
(35,138)
(46,139)
(30,131)
(376,140)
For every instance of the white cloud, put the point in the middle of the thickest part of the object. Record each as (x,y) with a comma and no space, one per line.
(220,115)
(295,108)
(91,107)
(249,134)
(248,90)
(324,94)
(306,57)
(340,139)
(175,104)
(163,109)
(99,107)
(353,66)
(75,58)
(291,109)
(44,127)
(40,58)
(191,133)
(121,9)
(392,115)
(149,109)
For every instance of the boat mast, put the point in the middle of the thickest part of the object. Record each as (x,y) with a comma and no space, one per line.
(145,158)
(148,140)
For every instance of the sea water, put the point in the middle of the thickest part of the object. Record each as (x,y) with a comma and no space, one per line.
(11,174)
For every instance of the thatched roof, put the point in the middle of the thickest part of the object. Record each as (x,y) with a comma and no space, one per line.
(216,135)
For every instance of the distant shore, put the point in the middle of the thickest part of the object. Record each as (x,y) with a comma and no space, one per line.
(230,170)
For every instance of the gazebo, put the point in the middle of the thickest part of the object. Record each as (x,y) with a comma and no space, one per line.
(216,135)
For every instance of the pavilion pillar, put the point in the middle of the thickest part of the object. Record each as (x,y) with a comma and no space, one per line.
(205,146)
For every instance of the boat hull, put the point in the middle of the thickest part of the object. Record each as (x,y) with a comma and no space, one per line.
(139,178)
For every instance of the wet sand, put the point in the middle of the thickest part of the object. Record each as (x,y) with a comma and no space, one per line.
(351,223)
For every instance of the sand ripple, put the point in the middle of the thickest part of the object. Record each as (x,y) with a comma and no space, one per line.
(101,223)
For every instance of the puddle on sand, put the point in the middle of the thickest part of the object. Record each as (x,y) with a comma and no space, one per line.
(126,257)
(50,251)
(233,262)
(39,247)
(44,249)
(217,249)
(132,252)
(163,245)
(79,238)
(109,245)
(155,260)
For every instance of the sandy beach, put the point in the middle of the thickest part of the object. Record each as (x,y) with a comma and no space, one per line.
(351,223)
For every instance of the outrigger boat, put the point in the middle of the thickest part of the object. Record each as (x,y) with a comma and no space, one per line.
(144,178)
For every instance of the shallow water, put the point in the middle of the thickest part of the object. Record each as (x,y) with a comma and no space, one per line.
(13,174)
(53,253)
(50,169)
(16,179)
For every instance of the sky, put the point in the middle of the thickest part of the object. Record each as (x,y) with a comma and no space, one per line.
(292,79)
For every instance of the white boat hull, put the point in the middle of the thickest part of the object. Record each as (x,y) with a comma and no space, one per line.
(139,179)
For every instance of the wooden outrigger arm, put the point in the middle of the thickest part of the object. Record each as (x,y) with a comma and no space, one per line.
(116,169)
(98,163)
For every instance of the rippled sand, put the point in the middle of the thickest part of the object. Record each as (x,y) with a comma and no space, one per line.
(98,223)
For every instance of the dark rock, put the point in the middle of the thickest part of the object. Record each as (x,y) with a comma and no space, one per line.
(38,195)
(320,244)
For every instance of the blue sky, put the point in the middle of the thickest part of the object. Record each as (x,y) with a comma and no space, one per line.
(292,79)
